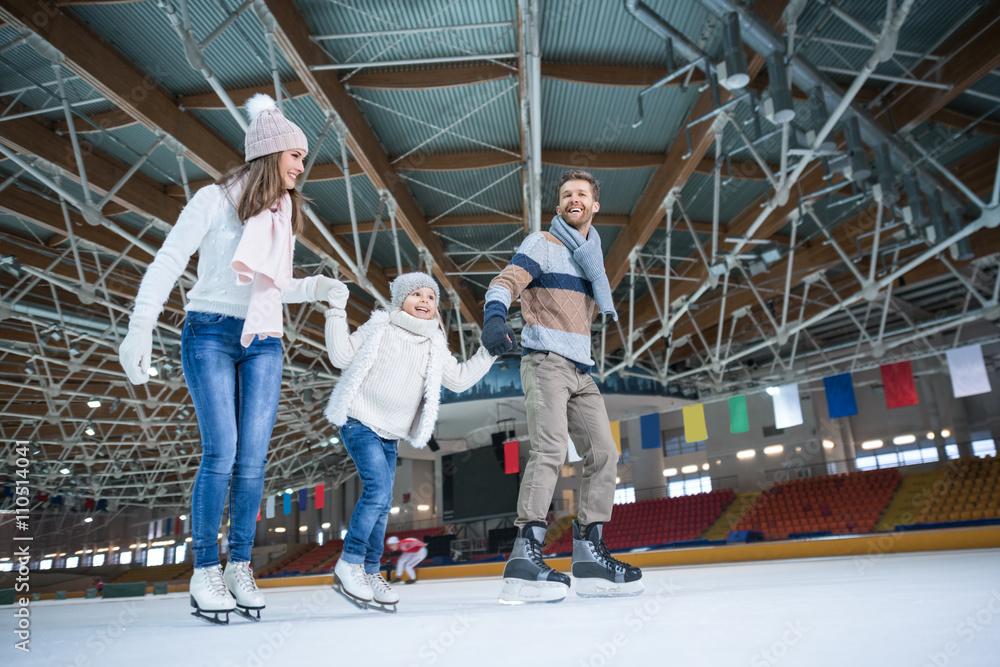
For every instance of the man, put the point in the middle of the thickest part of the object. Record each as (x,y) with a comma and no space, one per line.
(559,277)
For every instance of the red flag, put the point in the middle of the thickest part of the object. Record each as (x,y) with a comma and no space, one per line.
(897,381)
(258,514)
(320,495)
(511,460)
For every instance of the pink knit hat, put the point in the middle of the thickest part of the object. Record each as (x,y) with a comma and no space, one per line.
(269,131)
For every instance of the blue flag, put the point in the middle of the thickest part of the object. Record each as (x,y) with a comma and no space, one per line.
(286,500)
(649,425)
(840,399)
(303,499)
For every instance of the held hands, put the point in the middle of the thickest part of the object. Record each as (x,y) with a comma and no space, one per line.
(333,291)
(497,337)
(136,350)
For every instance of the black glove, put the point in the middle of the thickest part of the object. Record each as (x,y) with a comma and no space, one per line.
(497,337)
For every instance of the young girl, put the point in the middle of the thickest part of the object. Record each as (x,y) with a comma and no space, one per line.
(390,388)
(243,229)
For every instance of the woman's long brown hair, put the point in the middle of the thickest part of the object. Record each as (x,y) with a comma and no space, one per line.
(264,187)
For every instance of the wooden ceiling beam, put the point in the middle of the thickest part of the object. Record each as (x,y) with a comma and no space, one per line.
(970,54)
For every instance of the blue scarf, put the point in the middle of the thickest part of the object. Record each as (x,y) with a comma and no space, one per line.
(588,254)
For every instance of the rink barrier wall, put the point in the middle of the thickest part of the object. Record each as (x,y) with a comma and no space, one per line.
(869,545)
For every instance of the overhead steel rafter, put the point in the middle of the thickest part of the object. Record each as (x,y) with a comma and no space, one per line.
(141,97)
(869,289)
(293,37)
(90,365)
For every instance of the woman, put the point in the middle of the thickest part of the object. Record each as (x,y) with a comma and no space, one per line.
(243,229)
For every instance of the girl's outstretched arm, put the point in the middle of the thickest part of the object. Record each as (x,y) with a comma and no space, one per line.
(341,344)
(461,376)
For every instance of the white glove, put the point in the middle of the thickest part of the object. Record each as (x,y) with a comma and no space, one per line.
(136,350)
(333,291)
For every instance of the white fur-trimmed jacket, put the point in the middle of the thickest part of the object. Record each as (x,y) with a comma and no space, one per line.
(364,359)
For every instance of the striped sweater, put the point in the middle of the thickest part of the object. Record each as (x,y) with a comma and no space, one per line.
(557,301)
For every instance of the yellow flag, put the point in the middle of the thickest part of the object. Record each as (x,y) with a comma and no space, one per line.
(694,423)
(616,433)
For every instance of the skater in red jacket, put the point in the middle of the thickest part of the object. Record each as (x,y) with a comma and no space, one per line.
(413,551)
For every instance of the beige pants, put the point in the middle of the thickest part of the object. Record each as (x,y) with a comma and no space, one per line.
(561,403)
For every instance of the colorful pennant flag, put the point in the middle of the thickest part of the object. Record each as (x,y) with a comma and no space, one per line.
(787,406)
(258,514)
(303,499)
(840,401)
(739,418)
(616,435)
(968,371)
(649,426)
(694,423)
(169,526)
(286,501)
(511,457)
(269,507)
(320,497)
(897,381)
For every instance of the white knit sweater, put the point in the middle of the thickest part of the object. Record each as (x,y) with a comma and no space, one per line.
(394,368)
(208,225)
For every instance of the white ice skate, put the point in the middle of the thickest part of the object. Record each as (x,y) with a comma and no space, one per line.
(383,597)
(526,576)
(210,596)
(351,581)
(240,582)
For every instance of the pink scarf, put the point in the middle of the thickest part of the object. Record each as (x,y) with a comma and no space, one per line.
(264,258)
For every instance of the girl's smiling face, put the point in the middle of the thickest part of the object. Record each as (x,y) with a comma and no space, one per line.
(420,303)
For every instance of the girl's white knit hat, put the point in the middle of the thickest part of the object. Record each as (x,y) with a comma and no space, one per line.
(269,131)
(404,285)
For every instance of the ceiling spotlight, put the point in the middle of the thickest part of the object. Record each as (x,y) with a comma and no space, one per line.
(334,440)
(669,472)
(945,433)
(828,444)
(153,372)
(88,519)
(90,429)
(325,525)
(288,491)
(772,391)
(64,471)
(94,403)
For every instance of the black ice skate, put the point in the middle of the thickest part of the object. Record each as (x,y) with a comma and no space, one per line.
(210,596)
(597,573)
(526,577)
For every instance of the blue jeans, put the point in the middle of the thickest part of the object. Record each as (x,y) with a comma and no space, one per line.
(235,394)
(375,459)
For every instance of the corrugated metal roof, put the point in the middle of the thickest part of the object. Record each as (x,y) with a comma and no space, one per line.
(355,16)
(129,143)
(699,193)
(620,190)
(141,30)
(602,32)
(599,119)
(407,119)
(442,192)
(330,199)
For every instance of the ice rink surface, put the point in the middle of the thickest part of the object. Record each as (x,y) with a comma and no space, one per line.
(897,610)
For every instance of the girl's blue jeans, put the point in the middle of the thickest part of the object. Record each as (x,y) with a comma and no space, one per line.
(375,458)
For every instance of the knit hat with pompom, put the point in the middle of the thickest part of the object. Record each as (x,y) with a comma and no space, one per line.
(404,285)
(269,131)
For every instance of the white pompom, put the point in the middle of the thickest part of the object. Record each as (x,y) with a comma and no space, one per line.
(258,104)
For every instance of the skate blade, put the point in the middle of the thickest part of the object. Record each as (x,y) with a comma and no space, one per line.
(602,588)
(357,602)
(245,613)
(385,608)
(521,591)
